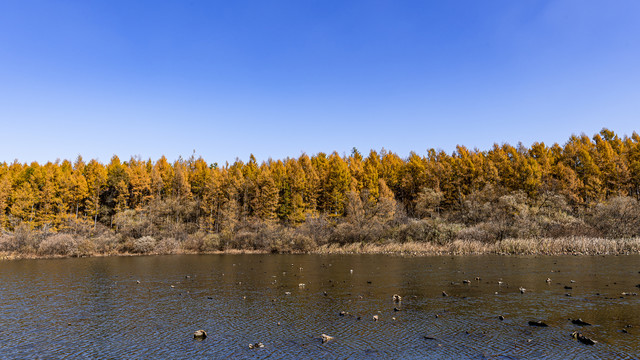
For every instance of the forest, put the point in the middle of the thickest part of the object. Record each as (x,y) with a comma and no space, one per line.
(587,188)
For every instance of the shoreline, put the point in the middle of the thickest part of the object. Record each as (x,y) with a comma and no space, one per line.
(507,247)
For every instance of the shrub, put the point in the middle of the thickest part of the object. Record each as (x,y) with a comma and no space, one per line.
(86,247)
(143,245)
(302,243)
(105,243)
(619,217)
(167,246)
(427,230)
(59,244)
(25,239)
(201,241)
(482,232)
(8,243)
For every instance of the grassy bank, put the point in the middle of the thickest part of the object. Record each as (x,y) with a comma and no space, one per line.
(563,246)
(545,246)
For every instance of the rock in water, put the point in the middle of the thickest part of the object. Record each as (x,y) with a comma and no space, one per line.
(200,334)
(583,339)
(580,322)
(538,323)
(326,338)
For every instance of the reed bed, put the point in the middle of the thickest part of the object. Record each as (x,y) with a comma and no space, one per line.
(542,246)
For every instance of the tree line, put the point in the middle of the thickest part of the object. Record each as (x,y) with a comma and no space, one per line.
(500,186)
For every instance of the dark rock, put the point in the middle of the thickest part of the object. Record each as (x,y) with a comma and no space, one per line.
(579,322)
(583,339)
(568,287)
(466,281)
(501,317)
(444,294)
(396,309)
(427,337)
(538,323)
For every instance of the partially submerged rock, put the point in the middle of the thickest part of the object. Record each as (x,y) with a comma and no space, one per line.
(579,322)
(583,339)
(200,334)
(539,323)
(326,338)
(256,345)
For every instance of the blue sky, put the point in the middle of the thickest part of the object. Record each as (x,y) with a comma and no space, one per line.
(278,78)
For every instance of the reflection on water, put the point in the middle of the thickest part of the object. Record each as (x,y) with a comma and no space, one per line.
(95,308)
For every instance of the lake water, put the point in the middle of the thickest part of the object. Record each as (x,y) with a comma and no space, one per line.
(94,307)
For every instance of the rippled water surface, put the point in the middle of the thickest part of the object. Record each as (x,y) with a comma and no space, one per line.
(95,308)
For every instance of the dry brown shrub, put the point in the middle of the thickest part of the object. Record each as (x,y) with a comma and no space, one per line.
(617,218)
(427,230)
(59,244)
(482,232)
(143,245)
(86,247)
(106,243)
(302,243)
(8,243)
(202,242)
(167,246)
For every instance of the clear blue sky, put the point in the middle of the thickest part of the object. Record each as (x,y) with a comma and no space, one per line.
(278,78)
